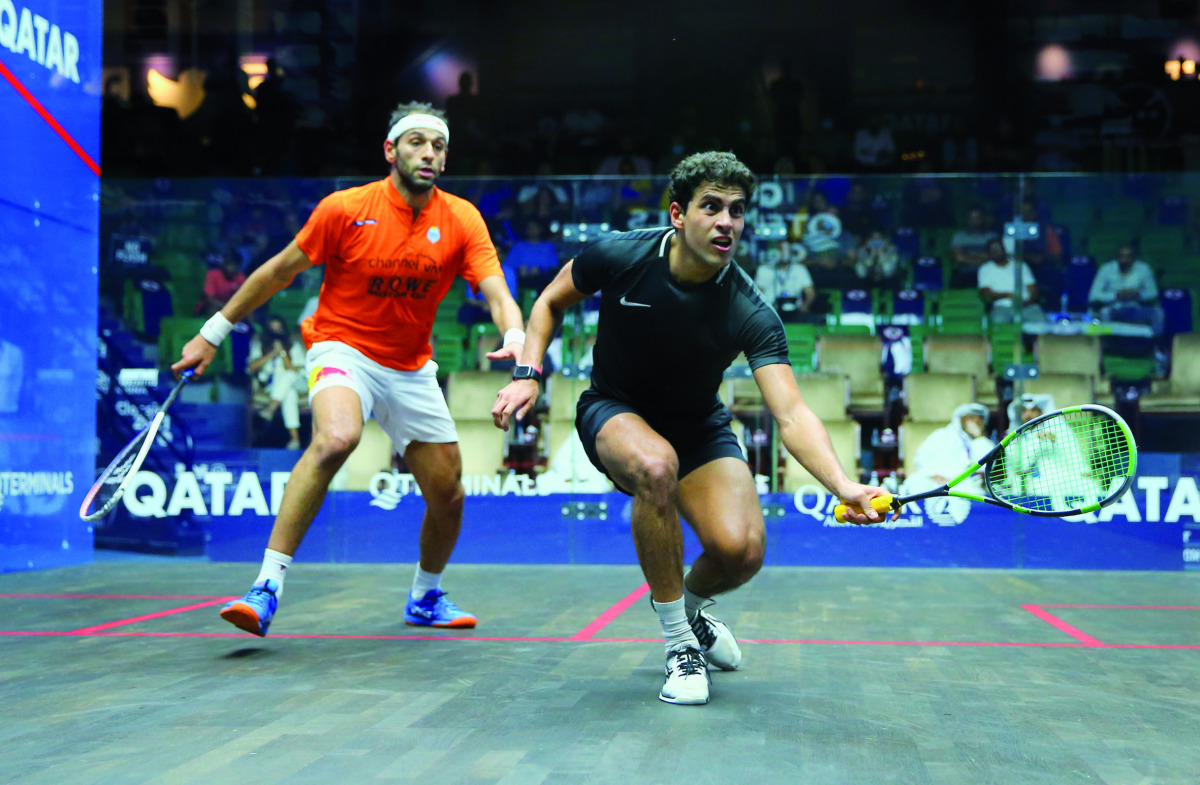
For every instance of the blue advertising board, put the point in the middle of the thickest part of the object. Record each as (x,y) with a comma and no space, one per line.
(235,494)
(50,85)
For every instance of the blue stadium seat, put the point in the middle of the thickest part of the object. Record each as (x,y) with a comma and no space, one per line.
(1064,239)
(927,274)
(908,307)
(1172,211)
(907,241)
(1177,311)
(857,307)
(1080,272)
(156,305)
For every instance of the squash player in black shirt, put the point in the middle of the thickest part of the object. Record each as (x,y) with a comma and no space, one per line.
(675,312)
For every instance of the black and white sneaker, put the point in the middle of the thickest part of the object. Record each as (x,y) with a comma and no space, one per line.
(720,647)
(687,677)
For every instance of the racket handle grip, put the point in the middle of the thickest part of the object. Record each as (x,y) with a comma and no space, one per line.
(881,504)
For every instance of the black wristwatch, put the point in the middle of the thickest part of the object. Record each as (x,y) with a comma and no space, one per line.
(527,372)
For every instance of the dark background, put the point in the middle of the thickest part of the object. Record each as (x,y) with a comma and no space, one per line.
(785,85)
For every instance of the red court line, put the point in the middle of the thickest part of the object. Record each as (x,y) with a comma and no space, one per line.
(602,621)
(49,118)
(1062,626)
(1129,607)
(149,616)
(109,597)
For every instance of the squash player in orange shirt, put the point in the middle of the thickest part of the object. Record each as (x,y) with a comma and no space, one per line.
(391,250)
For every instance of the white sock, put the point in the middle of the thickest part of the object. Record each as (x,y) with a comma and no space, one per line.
(274,567)
(424,582)
(676,630)
(692,601)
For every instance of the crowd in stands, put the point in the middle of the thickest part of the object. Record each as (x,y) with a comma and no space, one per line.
(836,253)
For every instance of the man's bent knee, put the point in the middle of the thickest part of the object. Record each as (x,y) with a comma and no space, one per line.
(445,497)
(656,476)
(743,560)
(333,446)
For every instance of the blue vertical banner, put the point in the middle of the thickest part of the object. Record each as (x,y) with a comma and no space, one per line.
(50,96)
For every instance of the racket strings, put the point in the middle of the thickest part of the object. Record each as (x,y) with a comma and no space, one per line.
(1063,463)
(110,482)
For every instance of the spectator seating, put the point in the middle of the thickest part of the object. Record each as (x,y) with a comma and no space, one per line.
(1068,389)
(964,353)
(931,397)
(1068,354)
(1004,339)
(288,304)
(1180,391)
(909,306)
(802,344)
(907,241)
(827,394)
(470,395)
(928,274)
(1081,269)
(1178,316)
(859,358)
(1172,211)
(960,310)
(175,331)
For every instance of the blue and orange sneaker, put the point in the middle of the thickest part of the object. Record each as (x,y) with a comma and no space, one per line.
(434,610)
(253,613)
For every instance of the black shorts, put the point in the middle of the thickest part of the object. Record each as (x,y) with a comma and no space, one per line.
(696,442)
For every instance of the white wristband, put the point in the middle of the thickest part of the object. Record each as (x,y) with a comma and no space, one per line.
(514,336)
(216,329)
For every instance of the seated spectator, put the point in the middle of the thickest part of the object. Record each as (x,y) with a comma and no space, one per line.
(970,249)
(1058,446)
(858,213)
(543,198)
(998,282)
(1124,291)
(626,160)
(534,256)
(944,453)
(874,149)
(220,284)
(925,203)
(276,362)
(877,262)
(785,282)
(474,309)
(828,262)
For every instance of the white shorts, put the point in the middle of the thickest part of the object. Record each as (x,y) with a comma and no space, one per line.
(409,405)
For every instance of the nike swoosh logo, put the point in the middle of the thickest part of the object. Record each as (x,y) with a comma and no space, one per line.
(635,305)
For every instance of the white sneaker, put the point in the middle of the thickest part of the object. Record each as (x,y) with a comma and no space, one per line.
(687,677)
(720,647)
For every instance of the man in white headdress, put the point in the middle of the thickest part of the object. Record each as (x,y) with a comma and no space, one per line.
(944,455)
(1054,464)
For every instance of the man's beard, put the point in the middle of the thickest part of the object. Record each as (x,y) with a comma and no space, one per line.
(413,185)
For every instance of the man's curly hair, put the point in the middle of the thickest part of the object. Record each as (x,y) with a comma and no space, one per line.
(723,169)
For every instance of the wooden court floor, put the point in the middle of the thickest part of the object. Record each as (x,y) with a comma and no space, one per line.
(122,672)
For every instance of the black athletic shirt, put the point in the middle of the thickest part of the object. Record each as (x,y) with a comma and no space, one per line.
(662,345)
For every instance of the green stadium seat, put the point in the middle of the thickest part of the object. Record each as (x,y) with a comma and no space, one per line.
(176,331)
(802,344)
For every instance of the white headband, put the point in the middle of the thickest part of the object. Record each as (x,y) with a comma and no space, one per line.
(411,121)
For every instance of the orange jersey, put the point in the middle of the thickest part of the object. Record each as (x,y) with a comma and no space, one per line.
(386,273)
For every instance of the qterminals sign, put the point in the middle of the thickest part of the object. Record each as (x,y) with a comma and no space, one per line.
(50,88)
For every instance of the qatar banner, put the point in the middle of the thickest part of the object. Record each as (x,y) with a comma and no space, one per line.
(512,519)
